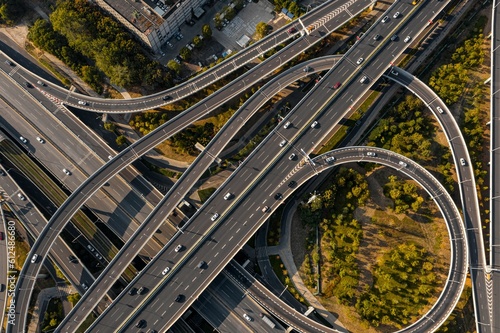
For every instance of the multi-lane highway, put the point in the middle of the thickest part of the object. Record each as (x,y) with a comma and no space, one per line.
(372,72)
(125,158)
(273,152)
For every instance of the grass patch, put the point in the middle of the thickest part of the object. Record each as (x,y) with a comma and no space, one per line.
(206,193)
(273,235)
(86,324)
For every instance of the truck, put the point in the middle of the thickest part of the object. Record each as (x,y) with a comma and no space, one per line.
(267,320)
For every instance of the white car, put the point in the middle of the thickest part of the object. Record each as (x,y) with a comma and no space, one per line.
(178,248)
(439,109)
(84,286)
(385,19)
(90,248)
(21,196)
(462,161)
(247,317)
(82,102)
(67,172)
(291,157)
(363,79)
(39,139)
(33,259)
(40,83)
(403,164)
(407,39)
(282,143)
(370,153)
(287,124)
(214,217)
(228,196)
(360,60)
(23,139)
(165,271)
(396,15)
(313,125)
(330,159)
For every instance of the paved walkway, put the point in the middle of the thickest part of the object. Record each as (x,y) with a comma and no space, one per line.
(61,291)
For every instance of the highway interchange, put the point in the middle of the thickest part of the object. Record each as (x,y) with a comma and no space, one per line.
(300,138)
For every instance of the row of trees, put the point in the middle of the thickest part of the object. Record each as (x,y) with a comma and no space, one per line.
(94,44)
(406,268)
(10,11)
(341,233)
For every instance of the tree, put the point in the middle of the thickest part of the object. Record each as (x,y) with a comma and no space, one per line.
(174,66)
(197,41)
(121,140)
(262,29)
(206,31)
(185,53)
(109,126)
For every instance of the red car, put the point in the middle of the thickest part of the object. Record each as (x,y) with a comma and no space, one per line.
(292,30)
(337,85)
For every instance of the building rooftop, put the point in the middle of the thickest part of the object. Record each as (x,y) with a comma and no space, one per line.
(143,14)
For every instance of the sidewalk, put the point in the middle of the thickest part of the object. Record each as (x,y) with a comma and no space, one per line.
(61,291)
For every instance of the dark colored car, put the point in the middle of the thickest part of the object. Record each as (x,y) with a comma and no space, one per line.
(28,85)
(141,323)
(167,98)
(133,291)
(179,298)
(292,183)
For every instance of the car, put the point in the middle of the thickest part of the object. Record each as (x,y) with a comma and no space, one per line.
(363,79)
(23,139)
(73,259)
(403,164)
(2,236)
(330,159)
(287,124)
(360,60)
(27,84)
(265,209)
(291,157)
(385,19)
(2,286)
(292,30)
(201,264)
(228,196)
(67,172)
(2,173)
(337,85)
(462,161)
(165,271)
(247,317)
(306,69)
(292,183)
(141,323)
(98,255)
(34,258)
(8,62)
(278,196)
(214,217)
(407,39)
(395,73)
(110,157)
(41,83)
(282,143)
(141,290)
(394,37)
(167,98)
(376,37)
(371,153)
(177,61)
(314,124)
(178,248)
(84,286)
(90,248)
(132,291)
(439,109)
(179,298)
(21,196)
(39,139)
(396,15)
(82,102)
